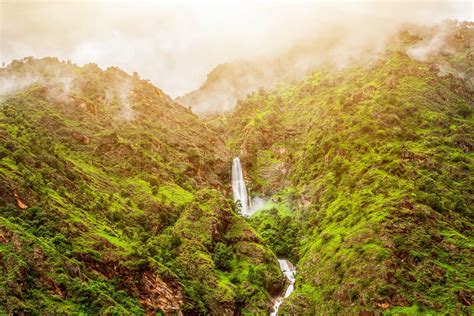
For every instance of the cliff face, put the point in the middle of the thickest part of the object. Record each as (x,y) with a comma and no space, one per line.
(104,180)
(370,174)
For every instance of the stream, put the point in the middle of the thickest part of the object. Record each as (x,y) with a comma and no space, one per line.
(241,196)
(289,271)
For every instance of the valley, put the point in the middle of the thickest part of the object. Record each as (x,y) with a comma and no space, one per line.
(345,190)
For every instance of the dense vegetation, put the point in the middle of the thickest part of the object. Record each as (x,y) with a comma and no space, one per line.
(112,201)
(369,170)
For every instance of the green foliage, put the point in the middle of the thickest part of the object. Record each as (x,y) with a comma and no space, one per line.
(379,162)
(223,256)
(100,214)
(369,170)
(279,227)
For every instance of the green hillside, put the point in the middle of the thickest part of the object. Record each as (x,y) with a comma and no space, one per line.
(370,174)
(113,201)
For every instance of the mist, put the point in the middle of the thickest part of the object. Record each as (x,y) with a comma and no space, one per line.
(59,82)
(176,44)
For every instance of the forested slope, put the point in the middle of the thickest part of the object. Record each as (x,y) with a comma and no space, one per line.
(113,200)
(369,170)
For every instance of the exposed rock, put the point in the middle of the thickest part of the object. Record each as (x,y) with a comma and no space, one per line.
(156,294)
(19,201)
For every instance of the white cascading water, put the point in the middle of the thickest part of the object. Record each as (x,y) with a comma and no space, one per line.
(290,272)
(239,190)
(238,186)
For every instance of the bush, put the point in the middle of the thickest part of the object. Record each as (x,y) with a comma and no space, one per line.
(223,256)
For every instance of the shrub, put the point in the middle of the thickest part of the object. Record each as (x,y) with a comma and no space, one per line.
(223,256)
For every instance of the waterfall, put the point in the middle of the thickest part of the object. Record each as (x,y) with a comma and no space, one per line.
(239,191)
(290,273)
(238,186)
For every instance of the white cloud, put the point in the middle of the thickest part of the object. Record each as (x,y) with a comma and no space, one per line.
(175,44)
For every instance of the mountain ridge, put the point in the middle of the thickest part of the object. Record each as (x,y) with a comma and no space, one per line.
(116,199)
(370,168)
(112,197)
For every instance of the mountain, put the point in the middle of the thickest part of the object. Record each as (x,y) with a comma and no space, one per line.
(224,85)
(337,46)
(113,200)
(368,172)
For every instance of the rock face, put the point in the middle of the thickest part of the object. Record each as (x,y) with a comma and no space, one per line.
(156,295)
(103,179)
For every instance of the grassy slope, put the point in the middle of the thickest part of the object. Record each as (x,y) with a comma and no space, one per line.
(377,166)
(99,214)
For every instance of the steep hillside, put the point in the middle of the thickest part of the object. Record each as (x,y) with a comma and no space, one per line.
(227,83)
(370,176)
(112,201)
(337,46)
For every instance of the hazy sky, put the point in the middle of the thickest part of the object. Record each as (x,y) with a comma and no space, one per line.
(175,44)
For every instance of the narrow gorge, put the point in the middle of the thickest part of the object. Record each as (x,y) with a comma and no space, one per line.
(242,199)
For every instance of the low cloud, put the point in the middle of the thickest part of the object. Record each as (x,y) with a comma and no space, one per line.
(434,44)
(175,44)
(58,82)
(126,111)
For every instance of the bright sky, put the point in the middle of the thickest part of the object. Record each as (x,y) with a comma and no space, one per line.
(175,44)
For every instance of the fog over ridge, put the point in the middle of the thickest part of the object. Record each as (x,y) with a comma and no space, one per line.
(176,45)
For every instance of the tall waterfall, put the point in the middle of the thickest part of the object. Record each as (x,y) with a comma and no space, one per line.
(240,194)
(238,186)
